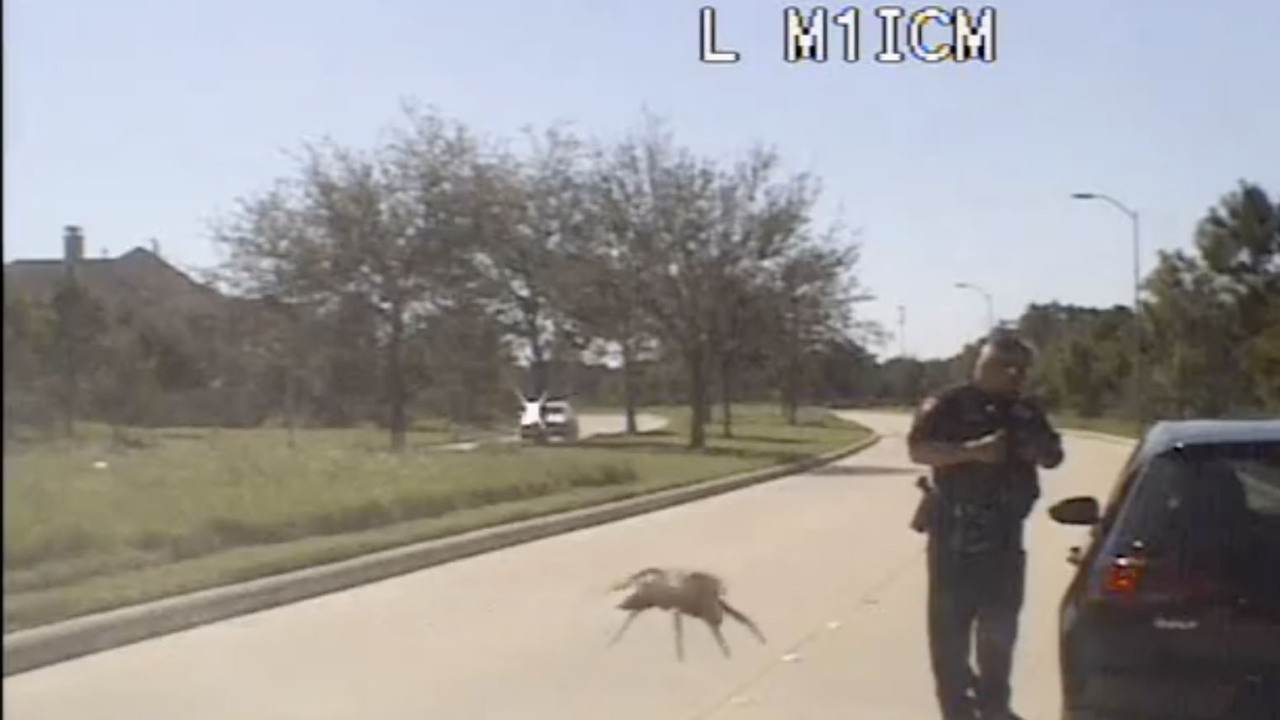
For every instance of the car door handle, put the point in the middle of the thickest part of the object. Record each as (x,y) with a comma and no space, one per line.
(1075,555)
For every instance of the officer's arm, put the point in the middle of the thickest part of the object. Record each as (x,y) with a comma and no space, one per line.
(1050,453)
(923,444)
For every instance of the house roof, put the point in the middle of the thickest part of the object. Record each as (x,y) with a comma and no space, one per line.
(139,280)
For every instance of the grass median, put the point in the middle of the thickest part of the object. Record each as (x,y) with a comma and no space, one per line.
(87,529)
(1106,425)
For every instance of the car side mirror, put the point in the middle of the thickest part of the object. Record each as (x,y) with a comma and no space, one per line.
(1076,511)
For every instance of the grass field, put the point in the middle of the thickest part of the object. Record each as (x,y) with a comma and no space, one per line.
(88,529)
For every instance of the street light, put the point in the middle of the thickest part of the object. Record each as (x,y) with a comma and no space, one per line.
(991,314)
(1138,373)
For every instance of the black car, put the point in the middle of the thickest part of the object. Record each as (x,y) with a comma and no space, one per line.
(1174,610)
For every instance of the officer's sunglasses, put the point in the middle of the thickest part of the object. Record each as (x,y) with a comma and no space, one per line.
(1014,363)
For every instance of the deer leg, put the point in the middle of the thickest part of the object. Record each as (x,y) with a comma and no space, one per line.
(719,634)
(742,618)
(625,624)
(679,628)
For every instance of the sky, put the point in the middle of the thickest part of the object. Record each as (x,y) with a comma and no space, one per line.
(145,119)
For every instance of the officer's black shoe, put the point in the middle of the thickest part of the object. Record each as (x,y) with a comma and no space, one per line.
(1005,714)
(964,710)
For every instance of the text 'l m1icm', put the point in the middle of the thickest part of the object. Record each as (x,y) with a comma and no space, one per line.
(929,34)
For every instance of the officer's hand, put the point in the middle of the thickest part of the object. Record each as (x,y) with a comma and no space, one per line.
(1029,452)
(1050,454)
(990,449)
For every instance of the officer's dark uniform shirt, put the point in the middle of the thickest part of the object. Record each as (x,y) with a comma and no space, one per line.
(980,506)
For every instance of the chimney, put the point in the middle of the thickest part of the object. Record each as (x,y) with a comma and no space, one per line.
(72,246)
(72,243)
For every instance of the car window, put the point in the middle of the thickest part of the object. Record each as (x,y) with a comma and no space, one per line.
(1203,499)
(1261,481)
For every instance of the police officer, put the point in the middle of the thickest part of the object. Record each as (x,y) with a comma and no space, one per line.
(983,441)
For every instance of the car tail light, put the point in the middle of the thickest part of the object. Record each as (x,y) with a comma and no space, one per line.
(1124,575)
(1137,578)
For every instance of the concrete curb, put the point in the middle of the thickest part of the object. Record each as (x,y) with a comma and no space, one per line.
(40,646)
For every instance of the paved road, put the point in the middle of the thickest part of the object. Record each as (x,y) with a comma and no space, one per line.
(609,423)
(823,561)
(588,425)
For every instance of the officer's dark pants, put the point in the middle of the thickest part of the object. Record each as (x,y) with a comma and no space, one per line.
(982,595)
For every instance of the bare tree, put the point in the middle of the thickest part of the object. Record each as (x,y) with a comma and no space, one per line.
(601,288)
(758,225)
(704,236)
(812,298)
(272,258)
(673,221)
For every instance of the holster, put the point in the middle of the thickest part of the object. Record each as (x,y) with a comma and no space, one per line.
(922,521)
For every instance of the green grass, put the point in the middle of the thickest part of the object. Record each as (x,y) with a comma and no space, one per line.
(180,510)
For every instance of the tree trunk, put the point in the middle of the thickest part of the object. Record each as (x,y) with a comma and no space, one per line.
(726,394)
(290,405)
(708,384)
(792,394)
(697,397)
(629,386)
(395,382)
(71,371)
(790,403)
(70,392)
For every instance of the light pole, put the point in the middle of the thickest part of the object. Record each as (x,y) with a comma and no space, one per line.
(991,313)
(1139,398)
(902,331)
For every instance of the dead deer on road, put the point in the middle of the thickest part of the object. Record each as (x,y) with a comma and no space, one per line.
(693,593)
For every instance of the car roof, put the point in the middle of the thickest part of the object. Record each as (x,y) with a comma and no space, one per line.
(1168,434)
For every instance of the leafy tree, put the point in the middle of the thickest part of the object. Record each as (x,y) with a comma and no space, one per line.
(388,233)
(528,210)
(29,343)
(79,322)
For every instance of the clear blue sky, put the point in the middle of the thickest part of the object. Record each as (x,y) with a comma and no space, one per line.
(145,119)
